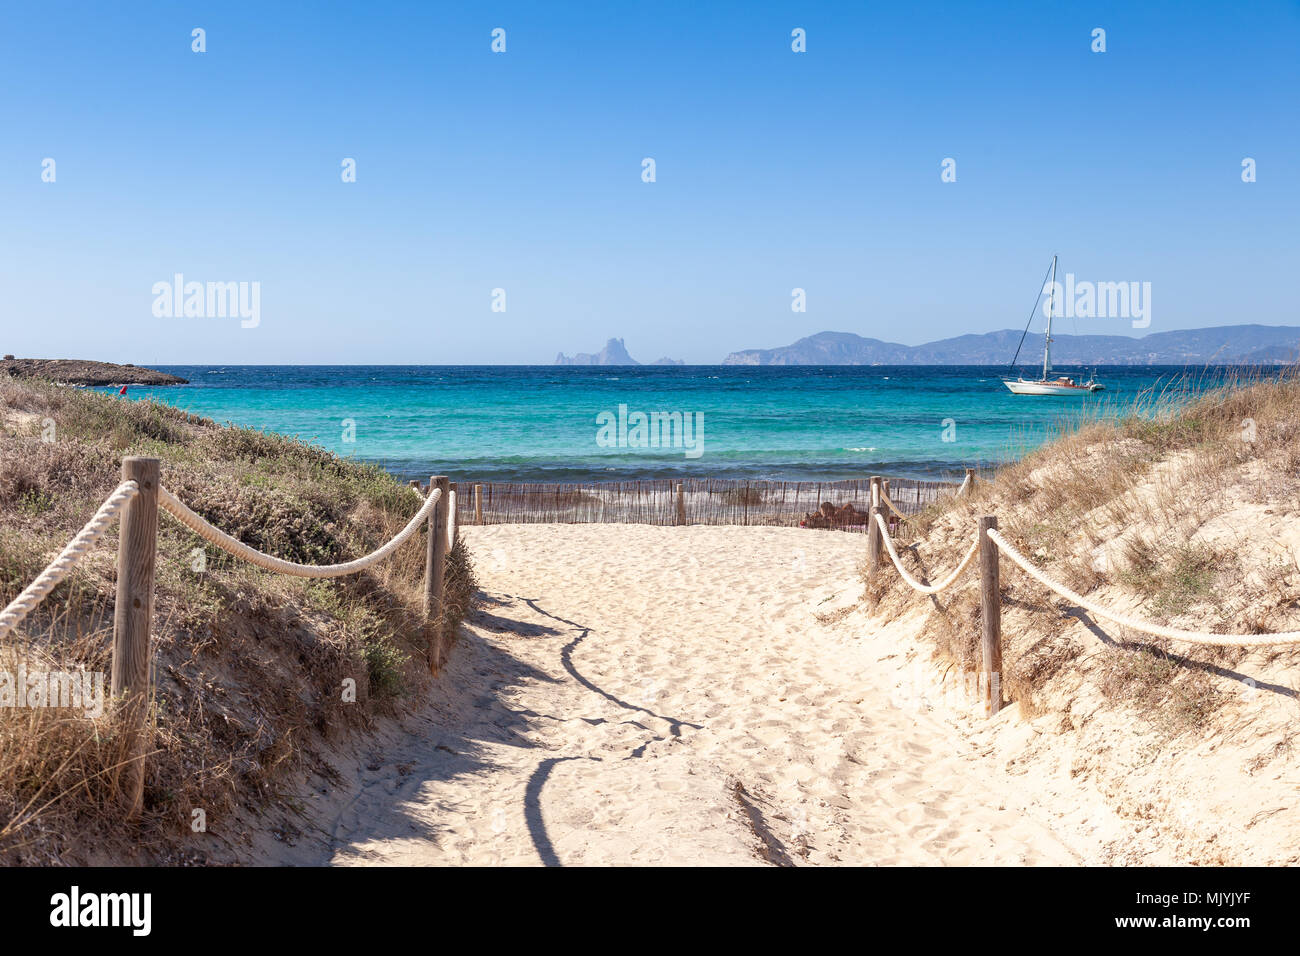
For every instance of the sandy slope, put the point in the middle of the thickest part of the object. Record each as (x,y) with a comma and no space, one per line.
(668,695)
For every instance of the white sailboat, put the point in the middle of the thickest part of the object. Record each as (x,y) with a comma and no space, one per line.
(1045,386)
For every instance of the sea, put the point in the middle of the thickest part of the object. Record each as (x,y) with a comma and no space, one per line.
(581,424)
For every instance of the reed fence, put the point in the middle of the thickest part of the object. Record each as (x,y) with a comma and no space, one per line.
(708,501)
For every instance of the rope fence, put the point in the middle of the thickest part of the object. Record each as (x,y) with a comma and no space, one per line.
(62,566)
(988,545)
(137,501)
(238,549)
(889,503)
(1141,624)
(140,498)
(915,584)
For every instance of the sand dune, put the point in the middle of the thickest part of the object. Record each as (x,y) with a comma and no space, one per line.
(652,695)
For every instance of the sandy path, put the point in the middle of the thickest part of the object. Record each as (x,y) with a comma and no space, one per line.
(667,695)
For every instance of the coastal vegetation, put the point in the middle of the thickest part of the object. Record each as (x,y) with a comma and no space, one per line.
(248,665)
(1178,510)
(1186,512)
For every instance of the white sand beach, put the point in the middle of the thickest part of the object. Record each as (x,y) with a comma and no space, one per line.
(651,695)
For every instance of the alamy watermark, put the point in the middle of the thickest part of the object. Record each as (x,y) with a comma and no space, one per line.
(684,430)
(1099,300)
(65,690)
(74,909)
(208,300)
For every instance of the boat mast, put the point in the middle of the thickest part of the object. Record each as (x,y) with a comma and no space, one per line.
(1051,301)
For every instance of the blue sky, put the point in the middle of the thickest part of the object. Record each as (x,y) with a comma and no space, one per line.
(522,171)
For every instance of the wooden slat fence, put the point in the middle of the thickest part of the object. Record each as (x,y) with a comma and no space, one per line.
(710,501)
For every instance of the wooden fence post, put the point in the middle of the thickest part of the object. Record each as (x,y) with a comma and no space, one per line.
(681,505)
(873,529)
(132,614)
(990,619)
(435,559)
(414,483)
(453,530)
(970,481)
(478,504)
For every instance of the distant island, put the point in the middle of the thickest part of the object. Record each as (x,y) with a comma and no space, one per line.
(614,353)
(1221,345)
(84,372)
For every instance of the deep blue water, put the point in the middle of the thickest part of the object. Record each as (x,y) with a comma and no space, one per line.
(539,423)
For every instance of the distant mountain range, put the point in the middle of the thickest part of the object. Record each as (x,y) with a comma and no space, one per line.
(1222,345)
(614,353)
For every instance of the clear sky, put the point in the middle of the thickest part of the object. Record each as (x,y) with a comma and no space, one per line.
(522,170)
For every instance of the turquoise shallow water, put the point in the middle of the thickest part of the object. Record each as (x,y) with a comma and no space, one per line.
(529,423)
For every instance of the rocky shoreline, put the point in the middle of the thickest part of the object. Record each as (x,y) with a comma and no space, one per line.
(82,372)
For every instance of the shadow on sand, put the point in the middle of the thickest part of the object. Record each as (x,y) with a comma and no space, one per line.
(472,713)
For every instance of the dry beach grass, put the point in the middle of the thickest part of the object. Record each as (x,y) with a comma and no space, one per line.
(248,665)
(1185,514)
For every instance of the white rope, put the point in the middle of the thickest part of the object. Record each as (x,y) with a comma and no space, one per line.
(1147,627)
(964,482)
(451,519)
(62,566)
(893,507)
(240,550)
(884,497)
(917,585)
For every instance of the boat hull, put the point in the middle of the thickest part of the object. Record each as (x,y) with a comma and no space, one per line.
(1050,388)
